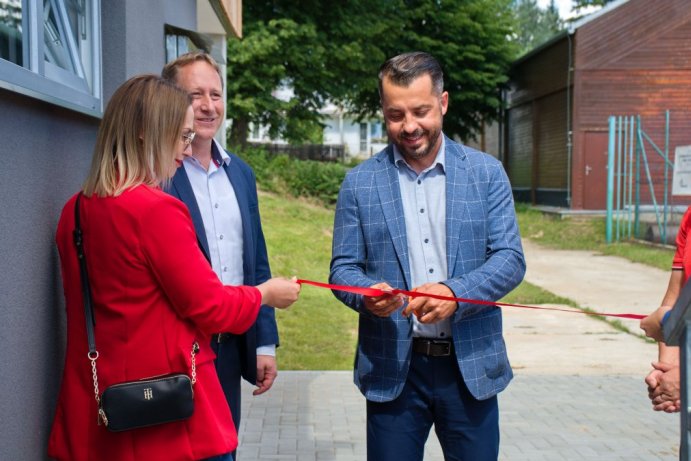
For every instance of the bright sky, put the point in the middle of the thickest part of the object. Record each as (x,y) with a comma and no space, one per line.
(564,6)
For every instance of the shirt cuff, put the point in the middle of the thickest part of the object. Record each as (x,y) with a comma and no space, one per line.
(267,350)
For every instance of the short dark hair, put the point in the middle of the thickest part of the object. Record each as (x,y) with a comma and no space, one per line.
(406,67)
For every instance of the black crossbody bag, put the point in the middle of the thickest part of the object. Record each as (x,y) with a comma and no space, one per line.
(133,404)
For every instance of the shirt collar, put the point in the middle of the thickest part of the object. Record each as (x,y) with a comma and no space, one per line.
(219,154)
(439,160)
(219,157)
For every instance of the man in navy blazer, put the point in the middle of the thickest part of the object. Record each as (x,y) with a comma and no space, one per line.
(427,214)
(220,191)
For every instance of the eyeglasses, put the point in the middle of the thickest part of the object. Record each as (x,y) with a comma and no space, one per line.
(189,137)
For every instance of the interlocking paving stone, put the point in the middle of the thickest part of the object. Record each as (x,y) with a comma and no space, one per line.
(543,417)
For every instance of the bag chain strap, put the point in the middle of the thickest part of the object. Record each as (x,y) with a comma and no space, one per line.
(102,418)
(90,321)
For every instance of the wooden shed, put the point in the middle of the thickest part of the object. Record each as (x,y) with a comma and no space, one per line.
(633,57)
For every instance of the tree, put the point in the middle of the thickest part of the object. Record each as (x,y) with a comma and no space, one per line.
(534,25)
(584,7)
(469,38)
(322,50)
(259,65)
(578,4)
(332,50)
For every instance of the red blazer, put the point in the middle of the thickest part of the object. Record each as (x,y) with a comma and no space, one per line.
(154,295)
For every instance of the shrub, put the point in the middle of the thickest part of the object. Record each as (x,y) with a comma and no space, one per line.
(300,178)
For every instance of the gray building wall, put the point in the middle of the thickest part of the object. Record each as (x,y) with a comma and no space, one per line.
(45,152)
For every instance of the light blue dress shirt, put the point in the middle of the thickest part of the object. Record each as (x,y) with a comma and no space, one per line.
(220,212)
(424,209)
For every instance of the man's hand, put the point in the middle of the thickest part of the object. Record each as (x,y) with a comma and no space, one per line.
(266,373)
(664,387)
(430,310)
(383,306)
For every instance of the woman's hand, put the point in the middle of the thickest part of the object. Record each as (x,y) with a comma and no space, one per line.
(279,292)
(652,324)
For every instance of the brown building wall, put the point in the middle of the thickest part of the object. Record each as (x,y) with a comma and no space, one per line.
(520,145)
(634,60)
(537,126)
(552,137)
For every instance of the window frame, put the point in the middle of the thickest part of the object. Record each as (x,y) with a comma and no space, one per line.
(48,82)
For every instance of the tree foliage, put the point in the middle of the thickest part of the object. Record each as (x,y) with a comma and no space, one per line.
(578,4)
(331,50)
(581,8)
(534,25)
(271,55)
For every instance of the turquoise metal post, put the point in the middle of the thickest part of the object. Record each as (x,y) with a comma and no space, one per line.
(631,143)
(620,140)
(665,215)
(636,227)
(610,178)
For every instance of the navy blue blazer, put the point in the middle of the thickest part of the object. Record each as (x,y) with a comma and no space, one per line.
(255,258)
(484,257)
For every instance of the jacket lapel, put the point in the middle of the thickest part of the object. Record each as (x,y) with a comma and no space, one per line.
(240,187)
(456,191)
(392,209)
(182,189)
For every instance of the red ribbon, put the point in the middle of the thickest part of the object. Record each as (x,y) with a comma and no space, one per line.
(373,292)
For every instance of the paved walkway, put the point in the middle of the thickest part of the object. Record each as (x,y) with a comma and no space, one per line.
(578,393)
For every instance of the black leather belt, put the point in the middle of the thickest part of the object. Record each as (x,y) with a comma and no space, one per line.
(222,337)
(433,347)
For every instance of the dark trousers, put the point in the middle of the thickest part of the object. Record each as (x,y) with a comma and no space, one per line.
(434,393)
(230,376)
(226,457)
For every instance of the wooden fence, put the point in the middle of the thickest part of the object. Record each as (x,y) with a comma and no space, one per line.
(319,152)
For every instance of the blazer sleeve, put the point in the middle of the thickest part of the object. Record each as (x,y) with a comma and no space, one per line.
(504,265)
(170,247)
(267,330)
(349,252)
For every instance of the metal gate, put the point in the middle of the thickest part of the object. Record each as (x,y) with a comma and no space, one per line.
(639,201)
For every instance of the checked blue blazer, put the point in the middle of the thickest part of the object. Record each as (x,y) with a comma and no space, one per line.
(484,256)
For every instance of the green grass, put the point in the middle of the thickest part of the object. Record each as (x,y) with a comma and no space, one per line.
(317,332)
(575,233)
(527,293)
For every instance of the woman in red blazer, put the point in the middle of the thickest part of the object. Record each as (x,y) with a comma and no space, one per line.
(154,294)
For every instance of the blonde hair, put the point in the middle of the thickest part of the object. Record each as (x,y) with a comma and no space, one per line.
(170,70)
(138,136)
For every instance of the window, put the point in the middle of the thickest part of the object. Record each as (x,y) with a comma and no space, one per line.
(50,49)
(363,137)
(181,41)
(377,132)
(177,45)
(11,31)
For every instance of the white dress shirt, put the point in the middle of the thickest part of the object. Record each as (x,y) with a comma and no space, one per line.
(424,210)
(220,213)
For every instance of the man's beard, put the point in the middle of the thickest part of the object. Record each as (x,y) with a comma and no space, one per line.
(432,138)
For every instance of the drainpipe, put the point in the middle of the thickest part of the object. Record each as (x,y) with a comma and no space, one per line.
(500,128)
(569,131)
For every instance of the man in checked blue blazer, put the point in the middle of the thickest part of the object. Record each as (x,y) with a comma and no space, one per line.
(220,191)
(427,214)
